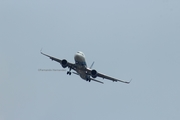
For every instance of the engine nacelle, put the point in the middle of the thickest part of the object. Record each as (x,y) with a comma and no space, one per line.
(94,73)
(64,63)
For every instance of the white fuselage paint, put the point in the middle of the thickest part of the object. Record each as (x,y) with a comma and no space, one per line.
(80,62)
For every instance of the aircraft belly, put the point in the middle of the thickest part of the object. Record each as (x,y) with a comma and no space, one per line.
(82,74)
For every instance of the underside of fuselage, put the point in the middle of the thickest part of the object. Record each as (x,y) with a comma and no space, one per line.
(80,62)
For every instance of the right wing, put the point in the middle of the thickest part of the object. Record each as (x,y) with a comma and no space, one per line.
(53,58)
(69,65)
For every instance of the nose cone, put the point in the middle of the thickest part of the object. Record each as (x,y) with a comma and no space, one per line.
(79,58)
(80,53)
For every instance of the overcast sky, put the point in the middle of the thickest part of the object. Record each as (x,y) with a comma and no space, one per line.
(138,39)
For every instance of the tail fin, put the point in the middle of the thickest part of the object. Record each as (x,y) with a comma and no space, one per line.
(91,65)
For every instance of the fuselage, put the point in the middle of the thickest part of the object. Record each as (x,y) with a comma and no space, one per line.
(79,58)
(80,62)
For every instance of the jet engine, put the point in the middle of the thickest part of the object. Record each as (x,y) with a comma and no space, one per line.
(94,73)
(64,63)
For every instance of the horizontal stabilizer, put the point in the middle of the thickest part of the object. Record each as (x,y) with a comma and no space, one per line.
(97,80)
(75,73)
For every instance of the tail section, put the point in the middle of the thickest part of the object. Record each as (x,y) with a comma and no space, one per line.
(91,65)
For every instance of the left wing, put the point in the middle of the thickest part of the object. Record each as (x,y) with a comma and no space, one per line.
(69,65)
(107,77)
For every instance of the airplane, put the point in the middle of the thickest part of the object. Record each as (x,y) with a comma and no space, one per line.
(81,69)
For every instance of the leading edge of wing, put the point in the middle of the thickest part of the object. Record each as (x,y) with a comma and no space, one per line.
(69,65)
(52,58)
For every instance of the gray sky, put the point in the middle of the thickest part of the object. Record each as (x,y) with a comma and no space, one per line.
(126,39)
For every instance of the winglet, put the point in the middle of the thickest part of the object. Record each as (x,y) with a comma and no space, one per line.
(129,81)
(41,51)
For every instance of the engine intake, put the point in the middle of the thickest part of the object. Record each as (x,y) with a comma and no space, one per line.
(94,73)
(64,63)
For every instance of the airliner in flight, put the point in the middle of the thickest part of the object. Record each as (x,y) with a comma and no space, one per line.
(81,69)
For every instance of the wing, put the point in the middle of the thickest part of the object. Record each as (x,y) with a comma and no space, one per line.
(111,78)
(53,58)
(69,65)
(107,77)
